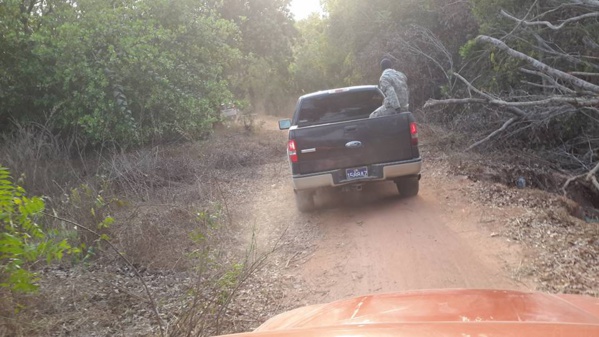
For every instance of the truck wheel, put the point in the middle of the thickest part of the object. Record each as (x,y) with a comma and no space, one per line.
(304,201)
(408,187)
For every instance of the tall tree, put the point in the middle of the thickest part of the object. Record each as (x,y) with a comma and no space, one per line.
(423,37)
(124,72)
(319,62)
(267,36)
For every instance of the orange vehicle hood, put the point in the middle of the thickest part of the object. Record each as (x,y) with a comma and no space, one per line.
(442,313)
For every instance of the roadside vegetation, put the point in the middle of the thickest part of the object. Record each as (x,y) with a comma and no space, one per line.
(117,170)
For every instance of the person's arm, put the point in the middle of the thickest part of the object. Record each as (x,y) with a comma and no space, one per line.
(403,92)
(391,99)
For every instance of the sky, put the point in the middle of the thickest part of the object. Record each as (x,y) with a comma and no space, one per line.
(302,8)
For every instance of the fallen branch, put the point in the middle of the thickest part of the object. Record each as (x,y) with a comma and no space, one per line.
(454,101)
(569,181)
(495,133)
(591,177)
(549,79)
(594,3)
(544,47)
(582,73)
(549,24)
(575,81)
(513,109)
(579,101)
(589,43)
(537,85)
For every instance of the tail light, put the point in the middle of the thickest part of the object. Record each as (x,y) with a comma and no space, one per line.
(414,133)
(292,151)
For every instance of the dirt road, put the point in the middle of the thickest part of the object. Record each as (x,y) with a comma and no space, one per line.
(374,242)
(390,244)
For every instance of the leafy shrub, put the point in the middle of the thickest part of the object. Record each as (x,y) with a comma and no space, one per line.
(22,240)
(125,73)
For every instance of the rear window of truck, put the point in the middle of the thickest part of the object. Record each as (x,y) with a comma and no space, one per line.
(338,107)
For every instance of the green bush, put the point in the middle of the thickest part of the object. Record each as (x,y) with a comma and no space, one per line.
(22,240)
(121,73)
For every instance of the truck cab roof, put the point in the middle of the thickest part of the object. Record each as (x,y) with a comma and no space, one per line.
(340,90)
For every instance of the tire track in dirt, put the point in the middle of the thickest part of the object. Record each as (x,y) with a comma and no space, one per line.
(393,244)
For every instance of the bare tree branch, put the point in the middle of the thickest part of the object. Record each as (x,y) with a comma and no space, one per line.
(575,81)
(595,182)
(454,101)
(580,73)
(541,86)
(530,9)
(426,37)
(495,133)
(589,43)
(591,177)
(570,91)
(549,24)
(513,109)
(579,101)
(550,79)
(594,3)
(544,47)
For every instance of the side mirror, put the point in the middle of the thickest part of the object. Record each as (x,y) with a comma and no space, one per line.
(284,124)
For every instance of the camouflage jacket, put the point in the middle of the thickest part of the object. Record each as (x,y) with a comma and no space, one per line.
(395,87)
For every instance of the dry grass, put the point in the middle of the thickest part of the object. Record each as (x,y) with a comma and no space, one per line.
(560,235)
(566,250)
(173,221)
(40,160)
(563,248)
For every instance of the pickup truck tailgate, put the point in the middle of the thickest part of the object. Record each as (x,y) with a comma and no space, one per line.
(353,143)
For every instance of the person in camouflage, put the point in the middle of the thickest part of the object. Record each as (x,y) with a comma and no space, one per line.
(394,85)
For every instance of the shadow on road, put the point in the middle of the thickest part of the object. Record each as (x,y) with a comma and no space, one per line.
(377,195)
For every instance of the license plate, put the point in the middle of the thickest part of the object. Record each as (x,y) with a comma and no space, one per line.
(356,173)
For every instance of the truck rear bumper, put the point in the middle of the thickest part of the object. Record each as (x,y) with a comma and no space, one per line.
(387,171)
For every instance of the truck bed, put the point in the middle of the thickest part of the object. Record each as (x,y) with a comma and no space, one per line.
(354,143)
(333,142)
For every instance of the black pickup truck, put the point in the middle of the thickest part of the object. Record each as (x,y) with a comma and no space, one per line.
(333,143)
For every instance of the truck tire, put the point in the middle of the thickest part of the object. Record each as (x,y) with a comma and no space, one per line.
(408,187)
(304,201)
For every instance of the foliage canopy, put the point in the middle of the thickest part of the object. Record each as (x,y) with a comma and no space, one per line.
(129,72)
